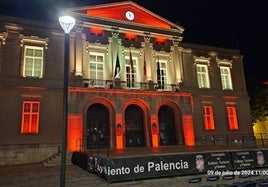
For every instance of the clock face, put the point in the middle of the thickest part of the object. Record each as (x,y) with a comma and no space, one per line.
(130,15)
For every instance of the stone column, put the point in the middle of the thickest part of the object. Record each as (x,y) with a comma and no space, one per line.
(177,59)
(147,57)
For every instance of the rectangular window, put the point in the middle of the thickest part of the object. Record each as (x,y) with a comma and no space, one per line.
(232,118)
(33,61)
(162,74)
(208,118)
(30,117)
(202,76)
(131,72)
(226,78)
(96,68)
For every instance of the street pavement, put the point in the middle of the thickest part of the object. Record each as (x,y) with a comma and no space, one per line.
(36,175)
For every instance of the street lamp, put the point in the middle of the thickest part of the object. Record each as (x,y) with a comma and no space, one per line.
(67,23)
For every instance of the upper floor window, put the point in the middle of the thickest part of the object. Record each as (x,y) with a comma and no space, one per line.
(161,74)
(202,73)
(232,118)
(131,71)
(96,68)
(33,57)
(33,61)
(226,79)
(30,117)
(202,76)
(208,118)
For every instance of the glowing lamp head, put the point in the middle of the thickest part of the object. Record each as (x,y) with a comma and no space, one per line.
(67,23)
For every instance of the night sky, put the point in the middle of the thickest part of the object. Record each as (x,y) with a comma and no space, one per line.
(235,24)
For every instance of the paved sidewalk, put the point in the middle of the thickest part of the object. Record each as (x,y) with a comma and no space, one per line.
(36,175)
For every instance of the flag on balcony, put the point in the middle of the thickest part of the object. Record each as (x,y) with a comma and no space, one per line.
(117,68)
(131,61)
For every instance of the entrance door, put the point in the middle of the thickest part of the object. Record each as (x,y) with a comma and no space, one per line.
(98,135)
(134,126)
(166,126)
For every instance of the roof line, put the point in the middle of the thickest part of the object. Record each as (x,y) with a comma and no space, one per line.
(126,3)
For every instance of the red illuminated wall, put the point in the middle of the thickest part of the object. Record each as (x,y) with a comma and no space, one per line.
(119,132)
(96,30)
(118,13)
(75,126)
(188,130)
(155,131)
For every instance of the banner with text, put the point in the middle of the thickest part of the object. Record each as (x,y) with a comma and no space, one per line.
(131,168)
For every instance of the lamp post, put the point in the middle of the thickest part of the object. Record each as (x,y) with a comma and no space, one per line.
(67,23)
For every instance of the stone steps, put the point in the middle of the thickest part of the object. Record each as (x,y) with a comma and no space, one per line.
(55,160)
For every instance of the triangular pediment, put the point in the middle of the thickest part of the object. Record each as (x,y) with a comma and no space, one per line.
(127,11)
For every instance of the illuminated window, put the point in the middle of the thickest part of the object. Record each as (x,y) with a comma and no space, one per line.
(208,118)
(33,57)
(226,79)
(202,76)
(161,72)
(232,118)
(96,63)
(131,72)
(30,117)
(33,61)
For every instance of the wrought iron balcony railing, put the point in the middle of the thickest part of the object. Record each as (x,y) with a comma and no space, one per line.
(118,84)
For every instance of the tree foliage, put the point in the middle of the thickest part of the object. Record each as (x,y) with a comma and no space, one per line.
(258,93)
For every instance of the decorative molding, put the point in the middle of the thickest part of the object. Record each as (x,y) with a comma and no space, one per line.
(11,27)
(31,96)
(3,37)
(115,33)
(97,46)
(213,53)
(33,40)
(224,62)
(176,42)
(78,28)
(202,60)
(147,39)
(230,103)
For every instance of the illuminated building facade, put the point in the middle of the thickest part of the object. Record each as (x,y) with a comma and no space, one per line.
(133,83)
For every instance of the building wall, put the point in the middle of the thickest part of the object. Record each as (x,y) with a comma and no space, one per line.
(16,147)
(183,95)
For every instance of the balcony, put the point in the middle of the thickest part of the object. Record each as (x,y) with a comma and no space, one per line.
(118,84)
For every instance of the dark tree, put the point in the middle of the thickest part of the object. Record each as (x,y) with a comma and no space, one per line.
(257,92)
